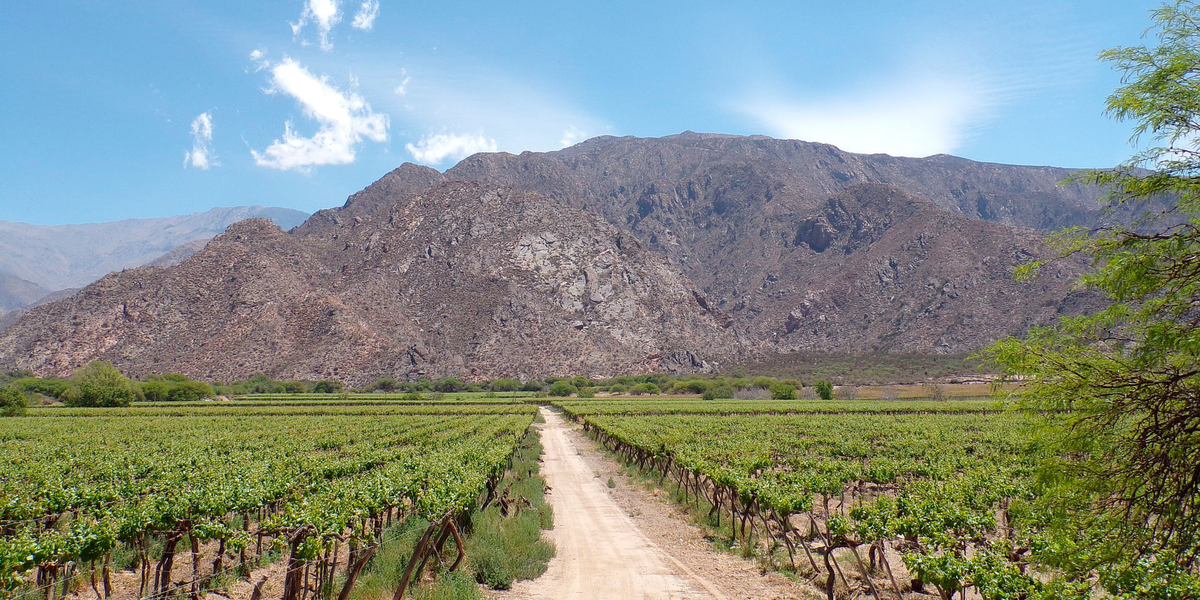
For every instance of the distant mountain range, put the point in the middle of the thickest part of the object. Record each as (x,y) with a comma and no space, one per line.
(36,260)
(682,253)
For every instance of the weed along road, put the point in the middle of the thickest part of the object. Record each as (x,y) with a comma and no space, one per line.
(601,552)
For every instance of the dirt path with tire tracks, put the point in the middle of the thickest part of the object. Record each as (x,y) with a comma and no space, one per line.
(624,543)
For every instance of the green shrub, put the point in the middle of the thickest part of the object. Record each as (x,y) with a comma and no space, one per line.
(690,386)
(385,384)
(190,391)
(783,391)
(644,388)
(174,388)
(587,392)
(718,392)
(293,387)
(503,549)
(99,384)
(617,388)
(52,387)
(532,386)
(562,389)
(155,390)
(12,402)
(327,387)
(449,384)
(825,390)
(763,383)
(580,381)
(505,385)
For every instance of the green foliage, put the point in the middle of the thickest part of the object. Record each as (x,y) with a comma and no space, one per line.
(293,387)
(190,391)
(51,387)
(690,386)
(449,384)
(385,384)
(617,388)
(783,391)
(532,386)
(587,392)
(505,385)
(502,548)
(825,390)
(1128,376)
(327,387)
(12,402)
(175,388)
(762,383)
(644,388)
(561,388)
(99,384)
(719,392)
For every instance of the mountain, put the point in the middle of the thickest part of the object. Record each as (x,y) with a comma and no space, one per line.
(466,279)
(57,257)
(682,253)
(736,215)
(16,292)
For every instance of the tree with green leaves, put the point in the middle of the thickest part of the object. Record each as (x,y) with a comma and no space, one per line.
(326,386)
(12,402)
(783,391)
(99,384)
(1122,385)
(825,390)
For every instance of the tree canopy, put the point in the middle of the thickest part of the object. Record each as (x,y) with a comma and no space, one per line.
(1124,382)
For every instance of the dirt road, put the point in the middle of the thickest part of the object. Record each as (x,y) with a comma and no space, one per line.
(601,552)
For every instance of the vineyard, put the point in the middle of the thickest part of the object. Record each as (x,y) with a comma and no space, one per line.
(859,498)
(313,486)
(835,492)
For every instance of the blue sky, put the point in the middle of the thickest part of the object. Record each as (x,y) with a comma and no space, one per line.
(126,109)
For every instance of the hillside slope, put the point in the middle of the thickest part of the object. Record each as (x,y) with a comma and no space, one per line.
(617,255)
(65,256)
(464,279)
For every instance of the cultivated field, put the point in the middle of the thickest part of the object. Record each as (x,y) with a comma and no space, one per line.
(166,501)
(860,498)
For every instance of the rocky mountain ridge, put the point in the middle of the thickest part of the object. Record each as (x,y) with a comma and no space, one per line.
(682,253)
(464,278)
(58,257)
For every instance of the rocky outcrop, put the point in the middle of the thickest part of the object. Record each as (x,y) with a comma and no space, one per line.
(463,279)
(616,255)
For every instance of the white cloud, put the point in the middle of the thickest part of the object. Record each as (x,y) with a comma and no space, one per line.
(917,117)
(365,18)
(325,14)
(345,121)
(571,136)
(452,97)
(402,89)
(434,149)
(201,156)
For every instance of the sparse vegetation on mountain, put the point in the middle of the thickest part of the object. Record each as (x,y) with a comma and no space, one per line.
(504,266)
